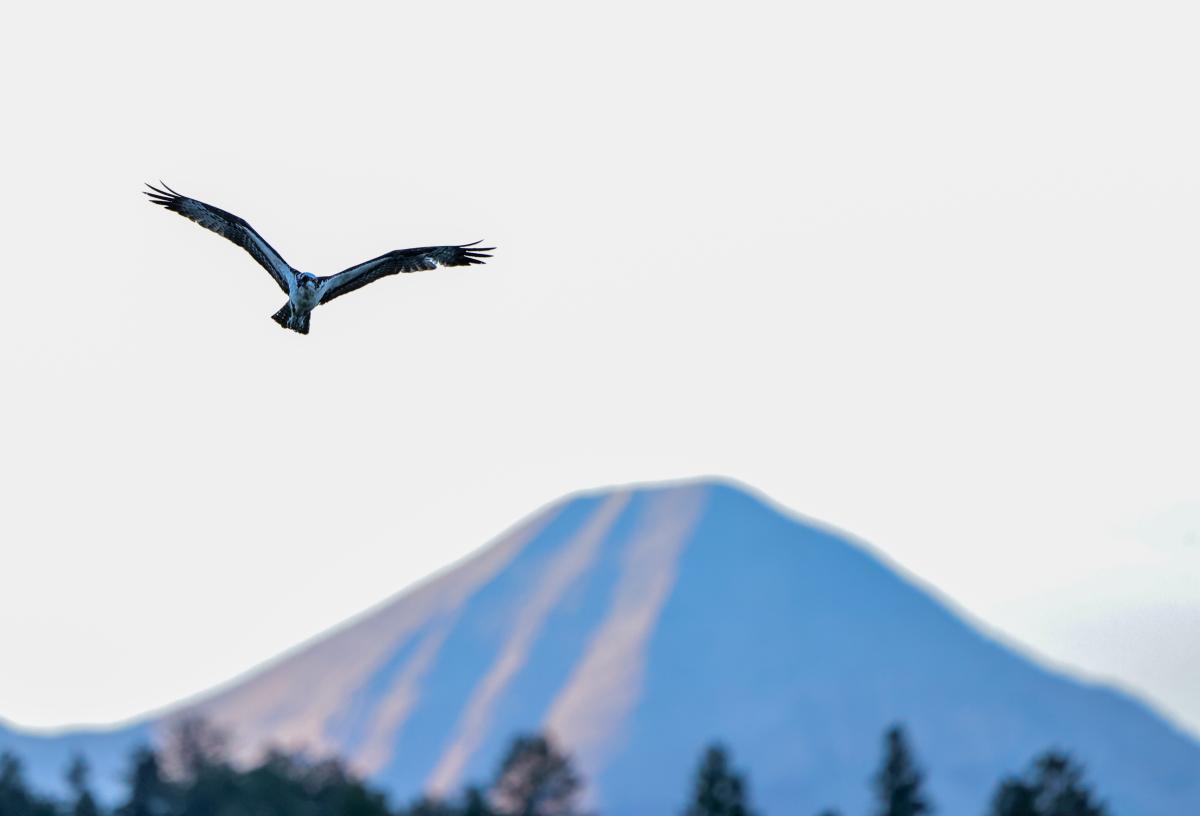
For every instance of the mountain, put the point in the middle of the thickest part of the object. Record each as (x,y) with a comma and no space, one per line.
(637,625)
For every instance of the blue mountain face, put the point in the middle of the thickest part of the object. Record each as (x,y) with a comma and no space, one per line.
(637,626)
(45,758)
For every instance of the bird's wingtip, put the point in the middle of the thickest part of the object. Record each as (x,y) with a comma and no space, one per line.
(162,190)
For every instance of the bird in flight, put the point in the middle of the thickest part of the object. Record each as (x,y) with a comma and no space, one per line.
(305,291)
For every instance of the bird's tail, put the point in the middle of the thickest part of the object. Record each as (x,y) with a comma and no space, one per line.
(297,323)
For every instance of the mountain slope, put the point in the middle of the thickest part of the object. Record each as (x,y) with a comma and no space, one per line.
(637,625)
(46,758)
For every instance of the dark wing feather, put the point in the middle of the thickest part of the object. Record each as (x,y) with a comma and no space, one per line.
(228,226)
(401,260)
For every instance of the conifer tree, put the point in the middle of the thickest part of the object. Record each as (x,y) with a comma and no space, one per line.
(1013,798)
(1053,786)
(16,799)
(77,780)
(898,782)
(475,803)
(718,790)
(149,794)
(536,779)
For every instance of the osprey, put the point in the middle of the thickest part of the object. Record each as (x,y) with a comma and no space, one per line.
(306,292)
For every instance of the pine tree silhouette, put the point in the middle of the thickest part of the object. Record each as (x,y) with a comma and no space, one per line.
(16,799)
(475,803)
(149,794)
(1053,786)
(77,780)
(536,779)
(898,782)
(718,790)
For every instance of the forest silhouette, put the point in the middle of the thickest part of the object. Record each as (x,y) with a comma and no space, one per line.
(192,775)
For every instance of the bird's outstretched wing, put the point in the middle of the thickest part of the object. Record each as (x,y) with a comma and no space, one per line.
(401,260)
(229,226)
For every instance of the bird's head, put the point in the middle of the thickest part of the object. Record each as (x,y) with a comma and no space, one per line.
(307,280)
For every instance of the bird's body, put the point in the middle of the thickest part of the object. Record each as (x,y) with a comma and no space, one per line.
(306,291)
(303,297)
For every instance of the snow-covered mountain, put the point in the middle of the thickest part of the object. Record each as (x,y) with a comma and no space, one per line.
(637,625)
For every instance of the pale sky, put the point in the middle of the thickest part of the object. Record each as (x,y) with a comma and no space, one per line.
(926,272)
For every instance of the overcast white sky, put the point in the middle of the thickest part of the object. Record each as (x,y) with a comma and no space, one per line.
(924,271)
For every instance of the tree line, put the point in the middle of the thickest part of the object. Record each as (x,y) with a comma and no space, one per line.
(193,775)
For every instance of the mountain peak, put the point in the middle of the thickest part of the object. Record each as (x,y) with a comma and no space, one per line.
(639,623)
